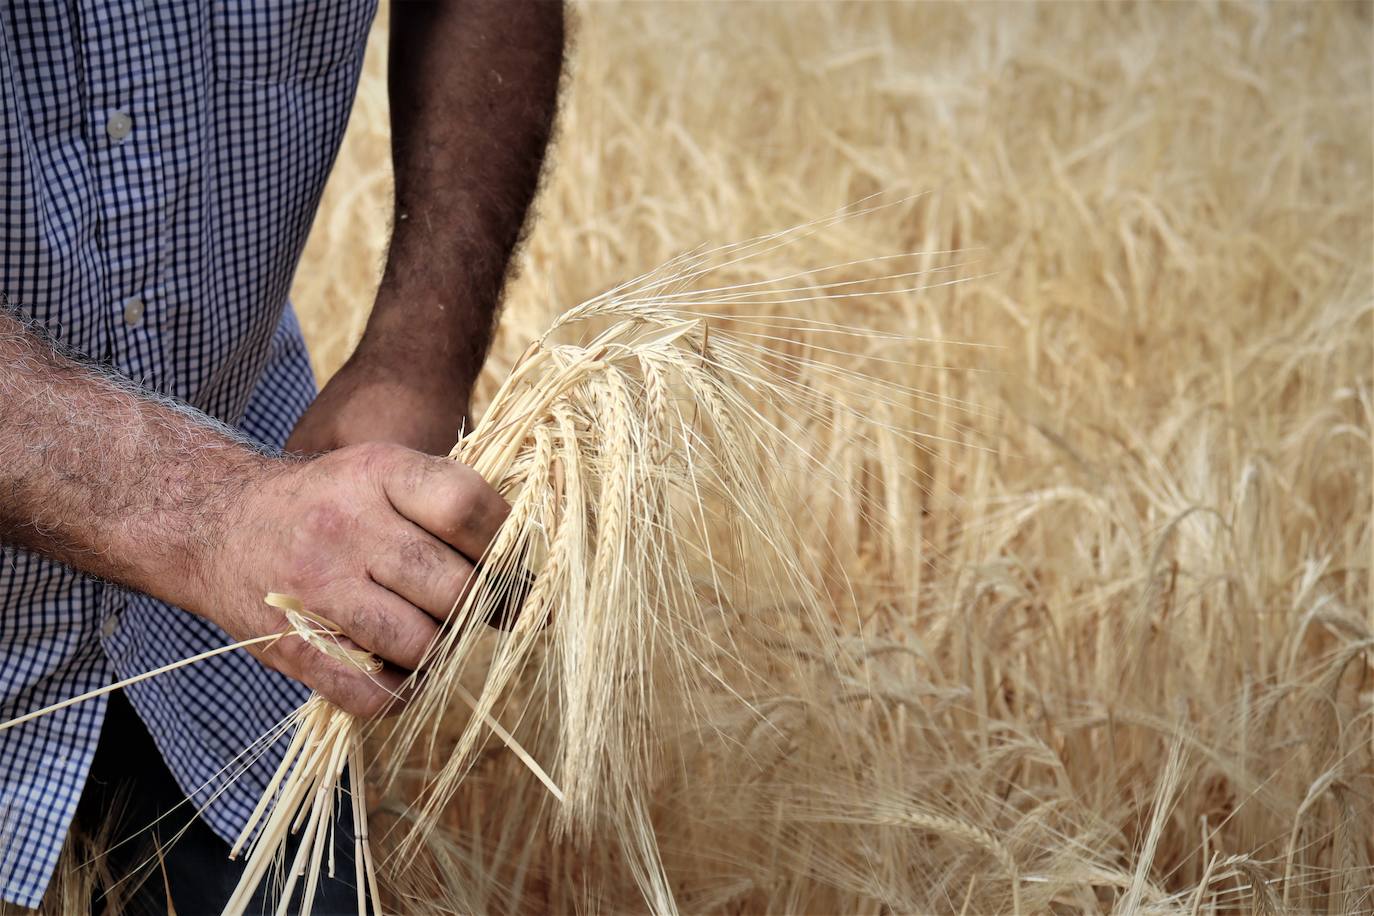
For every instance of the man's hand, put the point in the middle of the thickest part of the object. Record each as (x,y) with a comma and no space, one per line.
(378,539)
(378,397)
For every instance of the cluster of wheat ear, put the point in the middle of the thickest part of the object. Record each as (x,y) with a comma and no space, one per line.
(666,605)
(719,694)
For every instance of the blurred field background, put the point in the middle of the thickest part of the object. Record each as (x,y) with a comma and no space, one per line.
(1132,593)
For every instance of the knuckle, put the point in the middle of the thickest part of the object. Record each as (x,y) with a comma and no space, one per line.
(460,507)
(474,519)
(305,664)
(377,459)
(412,470)
(438,570)
(423,470)
(375,629)
(416,553)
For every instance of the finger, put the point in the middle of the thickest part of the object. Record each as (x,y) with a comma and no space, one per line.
(449,500)
(435,578)
(387,625)
(365,695)
(423,570)
(362,693)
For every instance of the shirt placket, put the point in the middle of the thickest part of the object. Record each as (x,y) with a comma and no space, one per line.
(126,149)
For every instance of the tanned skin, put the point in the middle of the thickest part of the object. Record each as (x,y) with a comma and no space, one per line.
(371,532)
(473,88)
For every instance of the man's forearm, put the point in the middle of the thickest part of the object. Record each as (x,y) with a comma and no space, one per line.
(107,479)
(474,87)
(379,540)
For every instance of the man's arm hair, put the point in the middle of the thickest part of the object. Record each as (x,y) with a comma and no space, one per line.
(474,89)
(108,478)
(129,487)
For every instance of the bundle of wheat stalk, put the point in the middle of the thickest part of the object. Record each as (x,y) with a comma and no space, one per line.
(706,705)
(667,606)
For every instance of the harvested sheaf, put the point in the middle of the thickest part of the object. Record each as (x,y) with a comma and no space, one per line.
(702,709)
(656,552)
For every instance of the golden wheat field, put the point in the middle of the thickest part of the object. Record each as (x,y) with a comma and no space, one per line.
(1115,596)
(1107,613)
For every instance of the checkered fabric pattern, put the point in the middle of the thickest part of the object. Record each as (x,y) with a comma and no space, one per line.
(160,165)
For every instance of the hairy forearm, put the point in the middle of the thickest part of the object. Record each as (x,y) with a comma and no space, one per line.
(378,540)
(110,480)
(474,88)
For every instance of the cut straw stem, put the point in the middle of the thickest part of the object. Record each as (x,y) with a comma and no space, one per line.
(137,678)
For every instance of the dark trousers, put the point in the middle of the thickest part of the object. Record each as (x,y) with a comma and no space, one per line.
(130,788)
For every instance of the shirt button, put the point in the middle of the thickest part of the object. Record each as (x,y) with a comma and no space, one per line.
(110,624)
(119,125)
(133,312)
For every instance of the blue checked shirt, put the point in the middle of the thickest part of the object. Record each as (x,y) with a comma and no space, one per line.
(160,165)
